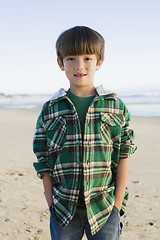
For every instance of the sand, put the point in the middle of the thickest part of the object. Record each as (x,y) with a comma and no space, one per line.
(23,210)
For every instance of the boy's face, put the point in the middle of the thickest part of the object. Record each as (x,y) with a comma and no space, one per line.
(80,69)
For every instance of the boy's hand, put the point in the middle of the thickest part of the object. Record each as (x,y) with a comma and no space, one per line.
(47,183)
(122,174)
(118,206)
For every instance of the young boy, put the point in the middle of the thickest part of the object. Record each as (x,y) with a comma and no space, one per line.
(83,144)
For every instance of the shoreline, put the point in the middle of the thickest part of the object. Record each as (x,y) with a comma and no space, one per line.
(24,212)
(39,108)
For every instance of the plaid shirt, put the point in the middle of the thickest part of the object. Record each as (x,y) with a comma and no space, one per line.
(58,145)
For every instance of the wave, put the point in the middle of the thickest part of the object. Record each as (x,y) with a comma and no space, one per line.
(139,103)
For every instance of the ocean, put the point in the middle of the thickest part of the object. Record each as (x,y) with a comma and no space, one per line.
(142,104)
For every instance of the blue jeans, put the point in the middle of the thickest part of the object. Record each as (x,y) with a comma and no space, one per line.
(79,224)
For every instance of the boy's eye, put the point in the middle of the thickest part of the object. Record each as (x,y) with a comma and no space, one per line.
(70,59)
(87,59)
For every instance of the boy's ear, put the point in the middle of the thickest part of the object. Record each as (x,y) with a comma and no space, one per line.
(99,65)
(60,64)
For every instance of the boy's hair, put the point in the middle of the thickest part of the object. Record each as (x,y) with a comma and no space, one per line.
(80,40)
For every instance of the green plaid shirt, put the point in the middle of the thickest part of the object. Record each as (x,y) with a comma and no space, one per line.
(58,146)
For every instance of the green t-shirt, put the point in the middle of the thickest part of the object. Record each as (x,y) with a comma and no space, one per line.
(81,104)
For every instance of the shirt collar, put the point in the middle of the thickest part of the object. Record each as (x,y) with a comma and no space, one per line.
(60,93)
(105,93)
(102,92)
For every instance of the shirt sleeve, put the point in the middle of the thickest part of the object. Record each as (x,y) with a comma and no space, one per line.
(127,147)
(40,149)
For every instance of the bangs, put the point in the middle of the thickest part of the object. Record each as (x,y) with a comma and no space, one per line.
(78,44)
(80,41)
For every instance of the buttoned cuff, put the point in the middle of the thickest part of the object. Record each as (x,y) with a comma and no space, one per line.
(41,169)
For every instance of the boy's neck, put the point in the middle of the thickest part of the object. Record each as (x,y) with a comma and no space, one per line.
(83,92)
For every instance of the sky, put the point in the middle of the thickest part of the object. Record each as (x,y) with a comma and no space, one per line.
(29,30)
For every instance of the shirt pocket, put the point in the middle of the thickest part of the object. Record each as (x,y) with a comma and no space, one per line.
(55,132)
(110,127)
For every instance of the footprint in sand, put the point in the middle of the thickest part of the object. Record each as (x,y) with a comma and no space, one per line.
(17,173)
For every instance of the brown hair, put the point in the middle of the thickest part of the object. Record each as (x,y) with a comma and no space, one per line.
(80,40)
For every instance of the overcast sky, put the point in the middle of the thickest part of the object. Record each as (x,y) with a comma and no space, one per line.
(29,29)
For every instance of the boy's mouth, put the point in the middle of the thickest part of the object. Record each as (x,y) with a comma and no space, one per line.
(79,75)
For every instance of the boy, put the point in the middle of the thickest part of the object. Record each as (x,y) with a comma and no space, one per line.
(83,144)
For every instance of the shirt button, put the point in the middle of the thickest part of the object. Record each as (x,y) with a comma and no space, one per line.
(87,187)
(112,121)
(76,125)
(77,143)
(72,202)
(78,162)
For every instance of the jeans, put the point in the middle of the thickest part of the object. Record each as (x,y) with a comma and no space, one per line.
(79,224)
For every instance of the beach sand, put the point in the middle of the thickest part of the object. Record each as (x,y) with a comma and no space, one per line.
(23,210)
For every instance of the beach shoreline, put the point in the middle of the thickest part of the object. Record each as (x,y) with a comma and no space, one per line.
(24,212)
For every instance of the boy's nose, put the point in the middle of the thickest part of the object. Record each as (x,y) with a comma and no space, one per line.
(79,65)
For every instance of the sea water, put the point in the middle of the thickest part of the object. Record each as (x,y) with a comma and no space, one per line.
(146,104)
